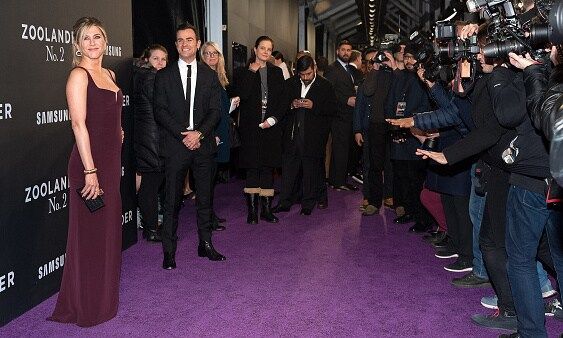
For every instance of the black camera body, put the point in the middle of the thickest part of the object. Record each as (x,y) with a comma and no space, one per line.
(508,34)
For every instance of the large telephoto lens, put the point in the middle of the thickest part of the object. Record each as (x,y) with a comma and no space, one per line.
(556,22)
(501,49)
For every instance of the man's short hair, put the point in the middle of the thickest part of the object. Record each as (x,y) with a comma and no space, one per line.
(356,55)
(303,63)
(278,55)
(344,42)
(187,25)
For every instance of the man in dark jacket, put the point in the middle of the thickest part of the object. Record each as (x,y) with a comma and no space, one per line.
(370,131)
(305,135)
(340,75)
(406,98)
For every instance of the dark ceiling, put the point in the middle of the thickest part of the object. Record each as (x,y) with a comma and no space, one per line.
(365,22)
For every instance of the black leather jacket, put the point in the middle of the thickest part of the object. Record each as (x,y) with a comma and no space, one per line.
(545,102)
(146,137)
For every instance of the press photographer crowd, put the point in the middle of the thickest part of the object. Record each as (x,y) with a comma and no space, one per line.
(482,101)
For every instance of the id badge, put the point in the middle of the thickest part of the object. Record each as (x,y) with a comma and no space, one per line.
(401,106)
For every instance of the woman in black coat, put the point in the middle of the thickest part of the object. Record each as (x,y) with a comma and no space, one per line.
(147,159)
(260,87)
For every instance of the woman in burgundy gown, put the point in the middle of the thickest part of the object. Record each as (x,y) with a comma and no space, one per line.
(89,292)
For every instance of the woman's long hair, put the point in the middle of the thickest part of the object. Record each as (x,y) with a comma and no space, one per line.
(221,72)
(78,30)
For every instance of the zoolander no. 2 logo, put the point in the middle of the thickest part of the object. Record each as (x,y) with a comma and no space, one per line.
(55,191)
(56,38)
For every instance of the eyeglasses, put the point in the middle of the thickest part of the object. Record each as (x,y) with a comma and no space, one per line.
(210,54)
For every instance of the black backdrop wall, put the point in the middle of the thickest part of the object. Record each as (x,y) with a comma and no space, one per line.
(36,139)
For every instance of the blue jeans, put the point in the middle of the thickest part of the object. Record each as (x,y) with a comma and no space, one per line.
(476,208)
(527,217)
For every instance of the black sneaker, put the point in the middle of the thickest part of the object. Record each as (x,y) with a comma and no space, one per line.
(471,280)
(497,320)
(554,309)
(441,244)
(434,236)
(358,178)
(510,335)
(445,253)
(459,266)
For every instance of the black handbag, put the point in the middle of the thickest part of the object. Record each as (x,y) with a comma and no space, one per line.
(234,135)
(92,204)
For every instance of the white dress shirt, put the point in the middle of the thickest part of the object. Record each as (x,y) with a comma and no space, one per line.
(183,67)
(305,88)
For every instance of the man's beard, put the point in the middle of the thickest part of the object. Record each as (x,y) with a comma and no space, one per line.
(344,58)
(307,82)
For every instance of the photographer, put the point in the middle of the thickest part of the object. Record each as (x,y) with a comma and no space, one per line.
(370,129)
(500,121)
(531,214)
(406,98)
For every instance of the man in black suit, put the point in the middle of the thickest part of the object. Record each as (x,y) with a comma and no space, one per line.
(187,109)
(305,135)
(340,74)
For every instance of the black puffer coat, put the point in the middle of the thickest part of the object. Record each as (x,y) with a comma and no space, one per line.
(146,140)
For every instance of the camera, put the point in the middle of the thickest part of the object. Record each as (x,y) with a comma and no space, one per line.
(385,46)
(509,34)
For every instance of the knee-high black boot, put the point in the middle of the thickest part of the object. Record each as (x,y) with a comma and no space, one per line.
(266,213)
(252,203)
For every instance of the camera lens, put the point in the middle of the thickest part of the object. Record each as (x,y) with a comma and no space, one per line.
(501,49)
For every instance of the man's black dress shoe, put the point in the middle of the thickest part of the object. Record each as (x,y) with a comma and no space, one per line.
(215,226)
(305,212)
(206,249)
(152,236)
(322,204)
(345,187)
(169,262)
(281,208)
(403,219)
(419,227)
(218,219)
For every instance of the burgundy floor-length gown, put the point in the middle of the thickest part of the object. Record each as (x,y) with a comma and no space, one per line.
(89,293)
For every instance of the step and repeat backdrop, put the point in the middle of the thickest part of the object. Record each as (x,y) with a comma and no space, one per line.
(36,140)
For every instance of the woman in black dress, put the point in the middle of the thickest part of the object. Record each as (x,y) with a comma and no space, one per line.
(261,88)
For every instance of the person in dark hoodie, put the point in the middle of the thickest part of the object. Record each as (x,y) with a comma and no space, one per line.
(148,162)
(407,97)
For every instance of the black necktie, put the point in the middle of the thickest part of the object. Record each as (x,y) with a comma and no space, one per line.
(350,71)
(189,92)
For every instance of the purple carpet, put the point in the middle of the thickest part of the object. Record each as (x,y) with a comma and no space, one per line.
(334,273)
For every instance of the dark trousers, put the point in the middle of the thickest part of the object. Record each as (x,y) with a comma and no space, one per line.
(374,159)
(460,229)
(148,198)
(408,181)
(341,131)
(176,167)
(260,178)
(492,237)
(300,173)
(388,171)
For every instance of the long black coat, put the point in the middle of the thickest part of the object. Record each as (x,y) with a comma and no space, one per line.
(146,137)
(260,147)
(317,120)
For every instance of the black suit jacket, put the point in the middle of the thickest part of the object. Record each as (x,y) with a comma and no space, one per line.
(343,88)
(172,115)
(317,120)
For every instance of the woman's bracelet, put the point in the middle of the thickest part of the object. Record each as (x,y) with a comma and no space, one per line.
(90,171)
